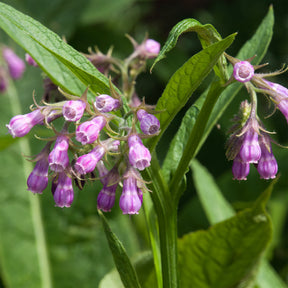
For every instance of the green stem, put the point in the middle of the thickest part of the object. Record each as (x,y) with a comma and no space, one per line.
(167,223)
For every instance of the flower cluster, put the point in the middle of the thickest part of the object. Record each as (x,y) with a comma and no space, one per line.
(249,141)
(94,142)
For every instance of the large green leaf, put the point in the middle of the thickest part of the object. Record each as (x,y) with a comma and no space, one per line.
(64,65)
(123,264)
(257,45)
(217,209)
(228,254)
(185,81)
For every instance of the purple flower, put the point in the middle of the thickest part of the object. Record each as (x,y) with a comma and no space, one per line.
(149,124)
(20,125)
(240,169)
(267,164)
(139,155)
(106,197)
(87,162)
(63,194)
(243,71)
(88,131)
(58,158)
(15,64)
(30,60)
(73,110)
(280,96)
(129,202)
(152,48)
(105,103)
(38,179)
(250,151)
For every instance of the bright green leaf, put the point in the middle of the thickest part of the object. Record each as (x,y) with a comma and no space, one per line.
(229,252)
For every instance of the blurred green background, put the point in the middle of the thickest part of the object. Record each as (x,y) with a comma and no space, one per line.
(75,237)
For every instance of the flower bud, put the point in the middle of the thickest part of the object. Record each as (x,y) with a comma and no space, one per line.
(250,150)
(139,155)
(149,124)
(87,162)
(30,60)
(73,110)
(240,169)
(88,131)
(20,125)
(243,71)
(63,194)
(267,164)
(15,64)
(38,179)
(105,103)
(106,197)
(152,48)
(130,202)
(58,158)
(280,97)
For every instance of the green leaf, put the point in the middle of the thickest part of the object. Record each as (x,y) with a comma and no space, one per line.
(257,45)
(124,266)
(210,194)
(226,255)
(185,81)
(144,268)
(217,209)
(206,33)
(67,68)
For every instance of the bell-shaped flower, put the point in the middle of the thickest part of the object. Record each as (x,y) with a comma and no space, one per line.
(63,193)
(139,155)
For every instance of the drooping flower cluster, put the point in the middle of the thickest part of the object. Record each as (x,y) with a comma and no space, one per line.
(95,139)
(248,144)
(249,141)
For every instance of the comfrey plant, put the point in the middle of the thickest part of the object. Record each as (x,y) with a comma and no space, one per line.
(95,129)
(99,142)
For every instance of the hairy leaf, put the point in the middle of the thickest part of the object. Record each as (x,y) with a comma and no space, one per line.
(217,209)
(229,252)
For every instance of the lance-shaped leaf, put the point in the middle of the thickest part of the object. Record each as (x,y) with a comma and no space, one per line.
(185,81)
(228,254)
(67,68)
(123,264)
